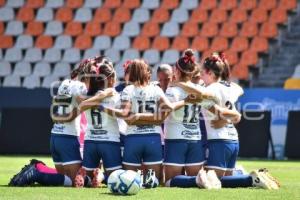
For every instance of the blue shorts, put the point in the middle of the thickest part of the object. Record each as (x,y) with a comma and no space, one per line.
(222,154)
(184,152)
(65,149)
(144,149)
(109,152)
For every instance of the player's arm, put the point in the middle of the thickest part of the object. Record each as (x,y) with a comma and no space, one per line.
(95,100)
(199,94)
(123,112)
(144,118)
(226,114)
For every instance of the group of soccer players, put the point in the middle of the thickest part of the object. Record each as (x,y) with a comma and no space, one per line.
(178,131)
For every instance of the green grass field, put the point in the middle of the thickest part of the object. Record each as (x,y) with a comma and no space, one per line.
(288,173)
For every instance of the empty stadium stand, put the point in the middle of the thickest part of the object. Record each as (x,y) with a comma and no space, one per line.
(42,40)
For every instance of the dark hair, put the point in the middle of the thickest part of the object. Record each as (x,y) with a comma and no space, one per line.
(225,76)
(215,64)
(138,71)
(187,63)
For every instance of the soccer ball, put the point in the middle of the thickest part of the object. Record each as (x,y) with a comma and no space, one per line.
(126,182)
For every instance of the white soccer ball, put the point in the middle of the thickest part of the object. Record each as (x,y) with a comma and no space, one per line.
(126,182)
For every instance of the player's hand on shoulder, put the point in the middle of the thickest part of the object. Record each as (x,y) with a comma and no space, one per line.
(220,123)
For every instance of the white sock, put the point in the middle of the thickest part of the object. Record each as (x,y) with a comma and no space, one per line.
(67,181)
(168,183)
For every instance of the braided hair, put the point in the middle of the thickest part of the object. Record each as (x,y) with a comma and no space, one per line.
(187,64)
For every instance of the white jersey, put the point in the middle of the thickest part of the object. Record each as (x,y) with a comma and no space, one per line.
(100,125)
(227,94)
(143,100)
(71,89)
(184,122)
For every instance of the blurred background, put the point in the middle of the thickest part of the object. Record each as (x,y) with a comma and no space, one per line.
(41,41)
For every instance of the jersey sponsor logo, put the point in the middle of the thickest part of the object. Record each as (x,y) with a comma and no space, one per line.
(98,132)
(190,134)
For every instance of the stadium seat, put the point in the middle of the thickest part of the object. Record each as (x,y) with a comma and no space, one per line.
(190,29)
(238,16)
(297,72)
(131,29)
(52,55)
(130,54)
(89,53)
(199,15)
(83,15)
(83,42)
(170,56)
(1,28)
(189,4)
(13,55)
(61,69)
(5,68)
(218,16)
(200,43)
(33,55)
(34,3)
(44,42)
(170,29)
(161,43)
(267,4)
(169,4)
(73,28)
(44,15)
(259,44)
(249,29)
(63,42)
(64,14)
(25,14)
(122,15)
(292,84)
(15,3)
(249,58)
(232,57)
(247,4)
(54,28)
(92,29)
(180,43)
(229,30)
(74,3)
(278,16)
(34,28)
(22,69)
(112,4)
(152,56)
(71,55)
(219,44)
(93,4)
(121,42)
(113,54)
(131,4)
(228,4)
(141,15)
(239,44)
(209,30)
(12,81)
(150,29)
(42,69)
(102,42)
(102,15)
(153,4)
(24,42)
(6,41)
(179,15)
(288,4)
(49,81)
(268,30)
(7,14)
(141,43)
(54,4)
(240,71)
(14,28)
(160,15)
(31,82)
(258,15)
(208,4)
(112,29)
